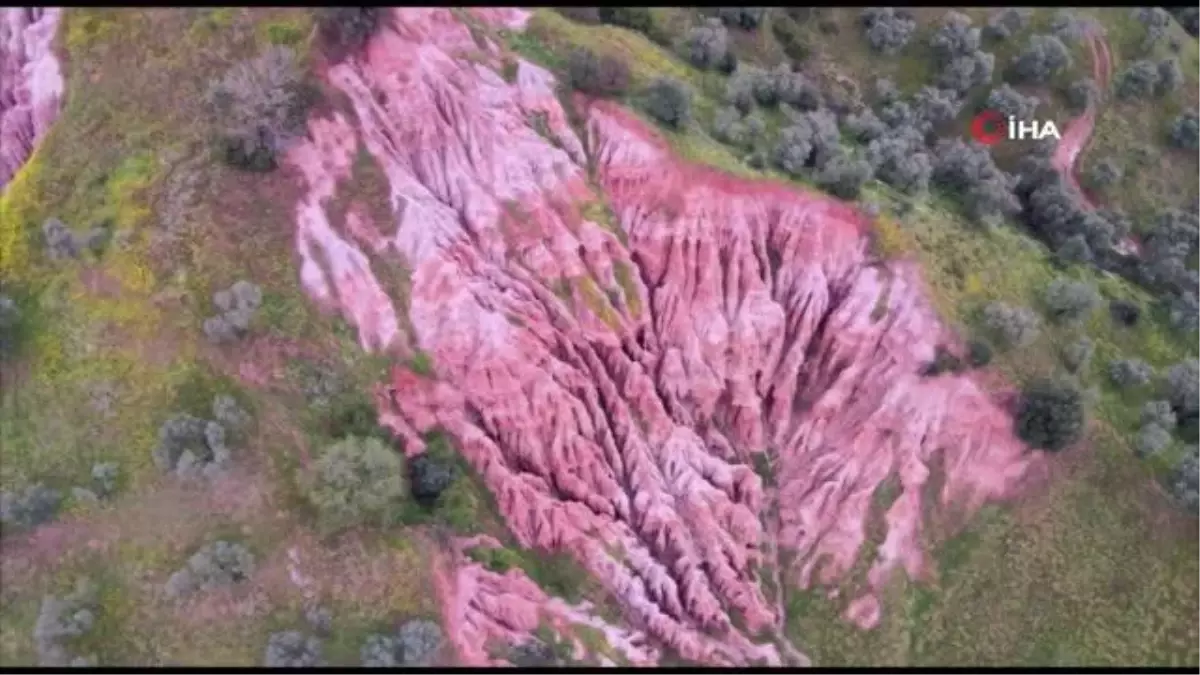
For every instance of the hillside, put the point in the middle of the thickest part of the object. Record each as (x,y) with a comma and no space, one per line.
(425,337)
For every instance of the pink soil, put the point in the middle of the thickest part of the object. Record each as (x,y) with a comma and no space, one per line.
(1079,130)
(624,436)
(31,83)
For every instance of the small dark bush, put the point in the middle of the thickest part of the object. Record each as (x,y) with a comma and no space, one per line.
(1068,300)
(844,176)
(944,361)
(808,143)
(189,447)
(707,45)
(1082,93)
(1151,440)
(1002,24)
(236,308)
(1184,482)
(595,75)
(1125,312)
(1185,132)
(63,619)
(1170,77)
(1183,389)
(429,476)
(588,15)
(979,353)
(1050,415)
(670,102)
(1012,103)
(347,29)
(1104,174)
(1139,80)
(1159,413)
(747,18)
(1077,354)
(635,18)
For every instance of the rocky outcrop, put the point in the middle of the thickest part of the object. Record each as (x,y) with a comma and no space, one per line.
(612,379)
(31,83)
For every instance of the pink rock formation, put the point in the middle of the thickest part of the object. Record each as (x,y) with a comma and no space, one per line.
(31,83)
(611,388)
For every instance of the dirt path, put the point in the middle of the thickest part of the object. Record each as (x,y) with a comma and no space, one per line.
(1079,130)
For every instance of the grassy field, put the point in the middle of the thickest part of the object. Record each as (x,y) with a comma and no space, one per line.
(1096,569)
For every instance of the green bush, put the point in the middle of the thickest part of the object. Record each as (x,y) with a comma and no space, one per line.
(1050,415)
(357,481)
(595,75)
(670,102)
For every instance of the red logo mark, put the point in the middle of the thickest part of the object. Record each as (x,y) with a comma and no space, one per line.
(988,127)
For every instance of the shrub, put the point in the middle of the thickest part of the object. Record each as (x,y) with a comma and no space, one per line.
(969,172)
(899,160)
(1183,388)
(258,108)
(1156,20)
(750,86)
(809,142)
(589,15)
(1050,415)
(844,176)
(1044,57)
(944,361)
(1127,373)
(1002,24)
(1011,326)
(61,619)
(1077,354)
(731,128)
(790,37)
(1170,77)
(1011,103)
(104,478)
(670,102)
(1075,249)
(220,563)
(1159,413)
(1082,93)
(1185,480)
(886,91)
(189,446)
(747,18)
(1138,80)
(887,30)
(963,73)
(796,90)
(954,37)
(1124,312)
(1185,132)
(1071,300)
(356,481)
(979,353)
(236,307)
(1183,312)
(229,413)
(415,644)
(1104,174)
(636,18)
(936,107)
(59,241)
(430,476)
(320,619)
(292,649)
(597,75)
(349,28)
(1151,440)
(863,126)
(28,508)
(1066,26)
(707,45)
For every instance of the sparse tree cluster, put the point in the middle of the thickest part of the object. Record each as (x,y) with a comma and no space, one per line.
(1145,79)
(962,65)
(293,649)
(60,621)
(189,446)
(1185,132)
(1127,373)
(1011,326)
(1068,300)
(1050,415)
(707,47)
(967,171)
(258,108)
(1042,59)
(357,481)
(595,75)
(236,307)
(416,643)
(30,507)
(888,29)
(1012,103)
(808,143)
(670,102)
(220,563)
(1005,23)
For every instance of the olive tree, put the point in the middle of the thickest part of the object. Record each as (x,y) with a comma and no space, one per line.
(1050,414)
(356,481)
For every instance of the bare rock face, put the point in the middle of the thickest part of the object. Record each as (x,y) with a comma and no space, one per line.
(612,381)
(31,83)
